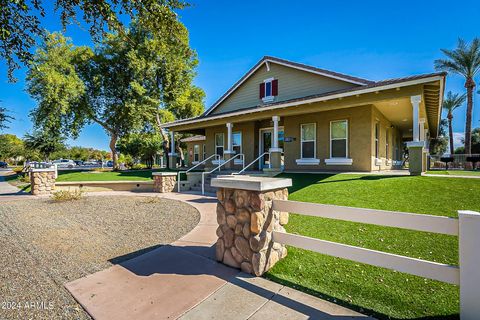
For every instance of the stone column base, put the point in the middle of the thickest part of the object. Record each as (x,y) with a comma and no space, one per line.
(164,182)
(416,156)
(276,159)
(227,155)
(246,221)
(172,161)
(42,181)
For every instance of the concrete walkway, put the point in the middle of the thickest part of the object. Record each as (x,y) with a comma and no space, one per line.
(9,192)
(182,281)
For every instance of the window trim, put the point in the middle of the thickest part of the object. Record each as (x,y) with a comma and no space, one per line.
(271,97)
(314,141)
(198,154)
(376,138)
(346,138)
(238,160)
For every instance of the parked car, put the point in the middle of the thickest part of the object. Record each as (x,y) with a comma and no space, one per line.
(78,162)
(3,164)
(110,163)
(64,163)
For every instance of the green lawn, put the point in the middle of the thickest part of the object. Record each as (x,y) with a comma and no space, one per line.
(131,175)
(456,172)
(379,292)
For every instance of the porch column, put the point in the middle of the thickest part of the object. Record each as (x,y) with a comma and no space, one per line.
(416,165)
(421,128)
(229,153)
(172,156)
(275,151)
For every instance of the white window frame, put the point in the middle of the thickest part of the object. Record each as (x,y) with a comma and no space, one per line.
(340,160)
(271,97)
(223,140)
(196,153)
(308,161)
(237,160)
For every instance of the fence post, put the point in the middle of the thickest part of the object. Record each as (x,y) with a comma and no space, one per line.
(469,252)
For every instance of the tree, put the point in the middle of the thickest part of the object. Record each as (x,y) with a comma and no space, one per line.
(465,61)
(141,146)
(44,143)
(4,118)
(11,147)
(133,79)
(20,21)
(439,144)
(452,102)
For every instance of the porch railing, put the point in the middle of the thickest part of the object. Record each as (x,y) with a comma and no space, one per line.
(239,155)
(251,163)
(216,156)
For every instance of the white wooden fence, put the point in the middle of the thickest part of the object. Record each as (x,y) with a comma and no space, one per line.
(466,227)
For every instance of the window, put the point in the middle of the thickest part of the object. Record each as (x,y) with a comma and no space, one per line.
(377,129)
(308,140)
(237,142)
(339,139)
(219,144)
(196,153)
(268,89)
(204,152)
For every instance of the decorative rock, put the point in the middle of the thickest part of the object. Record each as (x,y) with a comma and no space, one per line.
(229,260)
(273,258)
(219,249)
(238,230)
(246,267)
(246,230)
(231,221)
(258,263)
(244,248)
(236,255)
(283,219)
(241,198)
(164,181)
(255,201)
(242,215)
(42,181)
(219,232)
(220,214)
(256,222)
(230,206)
(228,237)
(220,194)
(260,241)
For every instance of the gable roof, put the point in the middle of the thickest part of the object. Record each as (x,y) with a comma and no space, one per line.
(268,59)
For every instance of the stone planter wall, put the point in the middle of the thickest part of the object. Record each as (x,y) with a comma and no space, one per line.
(246,221)
(42,181)
(164,182)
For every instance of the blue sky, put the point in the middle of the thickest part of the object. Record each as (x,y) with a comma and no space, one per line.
(370,39)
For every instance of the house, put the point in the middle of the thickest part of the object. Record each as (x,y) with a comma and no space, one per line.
(296,117)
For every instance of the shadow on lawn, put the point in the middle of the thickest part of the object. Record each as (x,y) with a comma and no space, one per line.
(351,306)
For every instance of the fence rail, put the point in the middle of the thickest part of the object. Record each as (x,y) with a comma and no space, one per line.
(467,227)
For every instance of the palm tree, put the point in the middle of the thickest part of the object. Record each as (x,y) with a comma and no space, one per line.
(465,61)
(452,101)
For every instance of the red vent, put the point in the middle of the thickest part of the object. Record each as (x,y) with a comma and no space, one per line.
(262,90)
(275,87)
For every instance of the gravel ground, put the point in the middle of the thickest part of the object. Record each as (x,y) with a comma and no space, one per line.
(45,244)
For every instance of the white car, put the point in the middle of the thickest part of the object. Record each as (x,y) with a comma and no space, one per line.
(64,163)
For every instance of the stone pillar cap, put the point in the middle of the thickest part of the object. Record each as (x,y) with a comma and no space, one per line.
(42,170)
(164,173)
(251,183)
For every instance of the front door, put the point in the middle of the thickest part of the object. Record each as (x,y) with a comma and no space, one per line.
(266,139)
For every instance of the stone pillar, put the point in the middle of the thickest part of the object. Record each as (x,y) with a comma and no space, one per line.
(246,221)
(172,155)
(164,181)
(42,181)
(229,153)
(416,156)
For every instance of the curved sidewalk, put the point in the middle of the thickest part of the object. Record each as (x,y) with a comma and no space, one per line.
(182,280)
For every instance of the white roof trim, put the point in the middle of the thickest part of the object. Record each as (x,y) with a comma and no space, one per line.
(267,61)
(319,99)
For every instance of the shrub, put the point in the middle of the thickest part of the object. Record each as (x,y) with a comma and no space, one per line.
(138,166)
(67,195)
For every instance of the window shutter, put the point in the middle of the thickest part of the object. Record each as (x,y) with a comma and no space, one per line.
(275,87)
(262,90)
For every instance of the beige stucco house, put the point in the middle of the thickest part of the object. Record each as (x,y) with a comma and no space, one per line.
(283,115)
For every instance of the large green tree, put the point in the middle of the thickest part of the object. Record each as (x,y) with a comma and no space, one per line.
(44,143)
(4,118)
(451,102)
(11,147)
(133,79)
(21,21)
(465,61)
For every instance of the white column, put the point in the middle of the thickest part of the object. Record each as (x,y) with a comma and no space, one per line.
(275,119)
(469,260)
(229,138)
(416,110)
(172,143)
(422,129)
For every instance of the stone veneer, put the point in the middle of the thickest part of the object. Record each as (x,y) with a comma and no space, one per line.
(42,181)
(246,221)
(164,182)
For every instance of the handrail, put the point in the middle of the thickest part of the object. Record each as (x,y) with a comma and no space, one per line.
(187,171)
(219,166)
(258,158)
